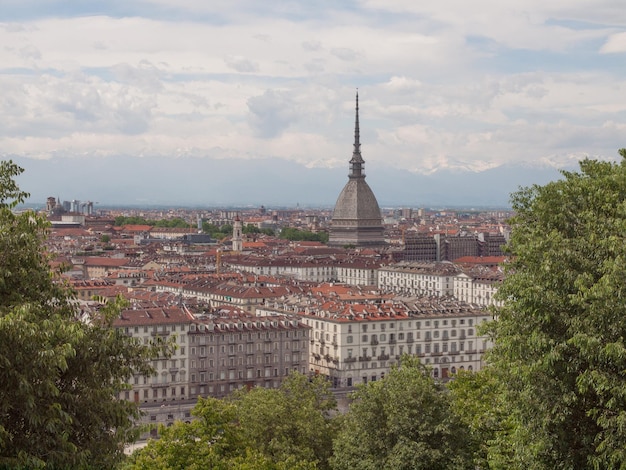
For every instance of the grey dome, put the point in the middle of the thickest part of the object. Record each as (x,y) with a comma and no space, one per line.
(357,202)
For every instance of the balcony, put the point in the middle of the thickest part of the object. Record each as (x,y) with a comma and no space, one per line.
(410,339)
(350,359)
(374,342)
(383,357)
(365,358)
(392,341)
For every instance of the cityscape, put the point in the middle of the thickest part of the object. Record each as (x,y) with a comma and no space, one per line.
(250,307)
(300,235)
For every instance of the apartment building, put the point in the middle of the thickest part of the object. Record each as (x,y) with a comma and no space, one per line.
(354,270)
(170,381)
(239,351)
(214,355)
(354,343)
(419,278)
(478,286)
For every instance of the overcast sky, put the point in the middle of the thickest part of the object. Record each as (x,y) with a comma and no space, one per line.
(443,85)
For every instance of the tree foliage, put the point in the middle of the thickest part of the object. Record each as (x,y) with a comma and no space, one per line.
(292,423)
(59,377)
(560,355)
(477,399)
(253,229)
(404,421)
(294,234)
(217,232)
(265,429)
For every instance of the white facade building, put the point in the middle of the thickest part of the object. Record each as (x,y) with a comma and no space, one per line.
(419,279)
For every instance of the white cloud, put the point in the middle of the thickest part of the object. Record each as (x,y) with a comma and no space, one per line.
(615,43)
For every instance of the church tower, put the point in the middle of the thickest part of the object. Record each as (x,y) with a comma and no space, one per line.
(237,239)
(356,219)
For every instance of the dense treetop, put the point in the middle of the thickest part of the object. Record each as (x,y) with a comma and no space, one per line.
(59,377)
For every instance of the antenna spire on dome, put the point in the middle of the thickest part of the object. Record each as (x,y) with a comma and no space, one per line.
(357,140)
(356,163)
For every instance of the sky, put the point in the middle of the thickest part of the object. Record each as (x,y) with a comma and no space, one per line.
(247,101)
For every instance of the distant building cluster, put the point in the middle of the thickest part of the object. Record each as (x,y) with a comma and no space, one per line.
(56,207)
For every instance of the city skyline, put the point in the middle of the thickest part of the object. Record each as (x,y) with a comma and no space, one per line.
(489,95)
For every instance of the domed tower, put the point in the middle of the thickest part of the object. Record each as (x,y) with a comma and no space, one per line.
(356,219)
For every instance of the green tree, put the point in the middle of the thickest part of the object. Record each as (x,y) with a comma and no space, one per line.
(121,220)
(559,348)
(403,421)
(476,398)
(59,377)
(263,429)
(294,234)
(291,424)
(211,440)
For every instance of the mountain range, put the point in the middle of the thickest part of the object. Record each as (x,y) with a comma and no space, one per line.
(206,182)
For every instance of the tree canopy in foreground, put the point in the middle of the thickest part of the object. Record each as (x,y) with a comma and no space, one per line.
(560,356)
(265,429)
(404,421)
(59,377)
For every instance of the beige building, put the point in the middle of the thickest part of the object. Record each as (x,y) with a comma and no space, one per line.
(213,356)
(414,279)
(360,342)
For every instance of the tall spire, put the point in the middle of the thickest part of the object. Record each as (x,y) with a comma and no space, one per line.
(356,163)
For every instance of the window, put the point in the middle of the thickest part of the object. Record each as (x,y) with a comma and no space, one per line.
(349,339)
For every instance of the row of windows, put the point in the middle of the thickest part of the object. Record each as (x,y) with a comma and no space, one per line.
(249,360)
(155,393)
(239,374)
(157,328)
(428,348)
(249,348)
(409,336)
